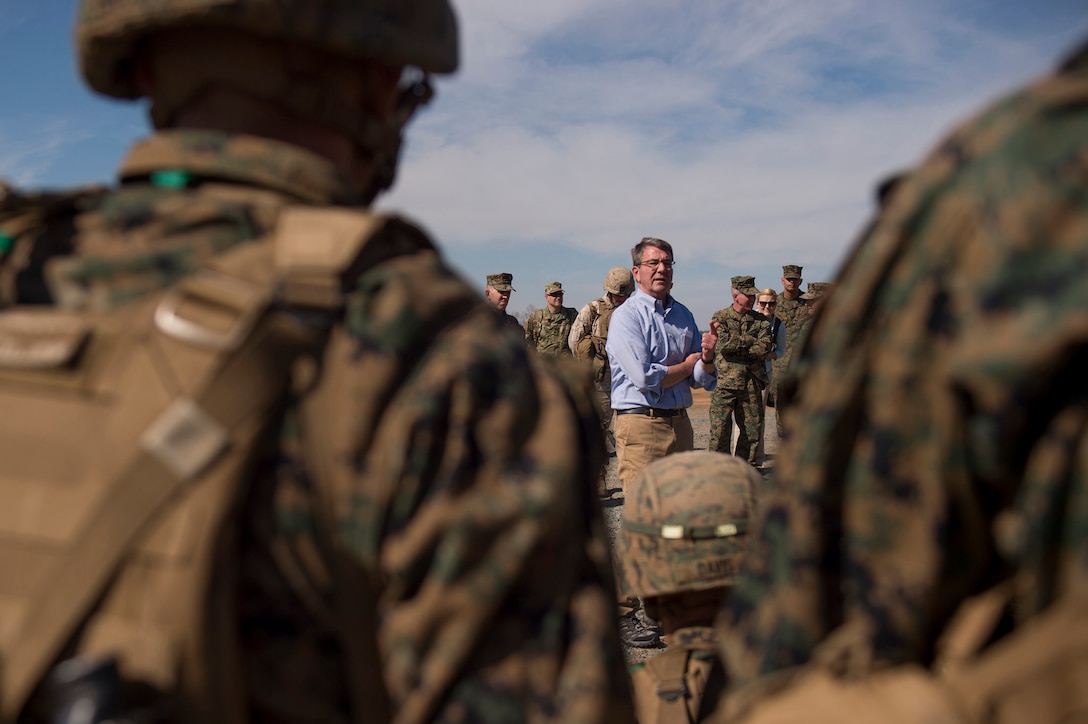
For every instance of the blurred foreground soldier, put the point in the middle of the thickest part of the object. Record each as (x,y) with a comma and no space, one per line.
(313,480)
(685,524)
(587,340)
(498,290)
(744,341)
(931,511)
(547,330)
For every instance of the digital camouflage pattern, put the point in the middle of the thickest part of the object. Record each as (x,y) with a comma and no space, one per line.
(502,281)
(547,332)
(744,341)
(816,290)
(421,33)
(685,523)
(794,314)
(684,531)
(944,443)
(496,600)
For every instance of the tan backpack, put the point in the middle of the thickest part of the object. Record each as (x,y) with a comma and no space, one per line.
(125,441)
(1038,674)
(591,346)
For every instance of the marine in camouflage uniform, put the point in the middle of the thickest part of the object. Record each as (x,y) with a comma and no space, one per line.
(682,539)
(945,445)
(547,330)
(497,292)
(588,335)
(791,310)
(744,341)
(496,596)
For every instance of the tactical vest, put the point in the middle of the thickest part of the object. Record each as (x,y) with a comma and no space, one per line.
(125,444)
(602,371)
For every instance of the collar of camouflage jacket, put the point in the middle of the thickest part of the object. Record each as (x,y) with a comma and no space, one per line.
(174,156)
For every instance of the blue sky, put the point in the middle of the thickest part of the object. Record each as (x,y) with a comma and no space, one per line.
(748,133)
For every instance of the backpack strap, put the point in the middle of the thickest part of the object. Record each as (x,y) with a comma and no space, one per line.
(668,672)
(188,438)
(202,438)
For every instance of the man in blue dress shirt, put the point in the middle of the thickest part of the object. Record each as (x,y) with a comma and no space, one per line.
(657,355)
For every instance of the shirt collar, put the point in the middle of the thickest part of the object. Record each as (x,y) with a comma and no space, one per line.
(653,302)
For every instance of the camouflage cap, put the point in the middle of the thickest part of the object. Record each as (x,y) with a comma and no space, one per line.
(619,281)
(684,523)
(421,33)
(817,290)
(791,271)
(502,282)
(553,287)
(745,285)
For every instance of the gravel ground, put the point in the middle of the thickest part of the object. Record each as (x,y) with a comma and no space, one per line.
(700,423)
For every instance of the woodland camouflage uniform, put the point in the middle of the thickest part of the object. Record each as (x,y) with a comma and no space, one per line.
(744,341)
(794,315)
(496,595)
(945,440)
(547,332)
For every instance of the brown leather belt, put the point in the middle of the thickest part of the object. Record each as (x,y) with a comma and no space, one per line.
(652,411)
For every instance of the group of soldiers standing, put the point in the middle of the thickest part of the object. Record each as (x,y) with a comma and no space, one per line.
(759,333)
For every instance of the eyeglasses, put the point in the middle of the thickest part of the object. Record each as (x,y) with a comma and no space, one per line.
(767,304)
(654,263)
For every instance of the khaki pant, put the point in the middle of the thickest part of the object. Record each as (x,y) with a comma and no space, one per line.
(641,439)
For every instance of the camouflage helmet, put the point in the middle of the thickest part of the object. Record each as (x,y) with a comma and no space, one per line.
(685,521)
(421,33)
(619,281)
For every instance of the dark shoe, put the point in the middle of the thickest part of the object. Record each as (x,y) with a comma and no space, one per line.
(633,633)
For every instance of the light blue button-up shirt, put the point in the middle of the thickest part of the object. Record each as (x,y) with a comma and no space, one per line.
(645,338)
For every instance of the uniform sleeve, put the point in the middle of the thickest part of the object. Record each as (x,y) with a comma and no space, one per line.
(730,339)
(496,601)
(761,345)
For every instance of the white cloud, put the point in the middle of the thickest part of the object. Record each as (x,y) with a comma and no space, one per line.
(32,145)
(749,133)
